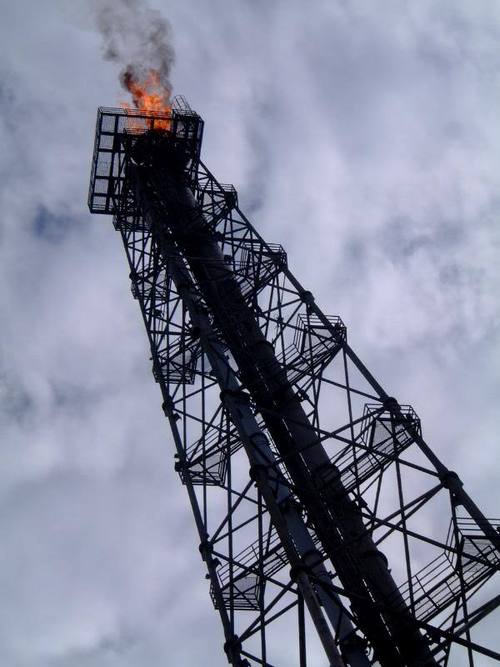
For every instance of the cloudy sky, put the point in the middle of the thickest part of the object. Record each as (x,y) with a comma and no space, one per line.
(364,136)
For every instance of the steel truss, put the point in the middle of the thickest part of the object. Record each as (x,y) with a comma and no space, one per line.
(299,467)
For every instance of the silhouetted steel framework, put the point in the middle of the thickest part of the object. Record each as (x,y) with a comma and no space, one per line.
(298,465)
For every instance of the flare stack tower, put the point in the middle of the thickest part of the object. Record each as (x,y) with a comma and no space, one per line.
(331,532)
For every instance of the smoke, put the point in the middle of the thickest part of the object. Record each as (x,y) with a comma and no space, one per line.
(139,39)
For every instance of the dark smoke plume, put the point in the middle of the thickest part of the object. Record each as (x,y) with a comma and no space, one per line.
(138,38)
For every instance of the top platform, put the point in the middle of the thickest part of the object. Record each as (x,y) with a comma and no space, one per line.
(115,128)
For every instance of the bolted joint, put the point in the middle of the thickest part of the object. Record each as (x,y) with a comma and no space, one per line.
(167,406)
(361,502)
(258,471)
(313,558)
(289,503)
(298,569)
(326,472)
(232,648)
(327,475)
(307,297)
(263,344)
(231,197)
(206,549)
(391,404)
(183,285)
(238,394)
(352,642)
(195,332)
(375,553)
(450,480)
(180,466)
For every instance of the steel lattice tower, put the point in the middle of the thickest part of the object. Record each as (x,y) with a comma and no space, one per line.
(304,476)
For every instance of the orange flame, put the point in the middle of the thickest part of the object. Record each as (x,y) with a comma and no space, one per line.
(149,95)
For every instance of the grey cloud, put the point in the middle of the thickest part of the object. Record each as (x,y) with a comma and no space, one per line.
(333,124)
